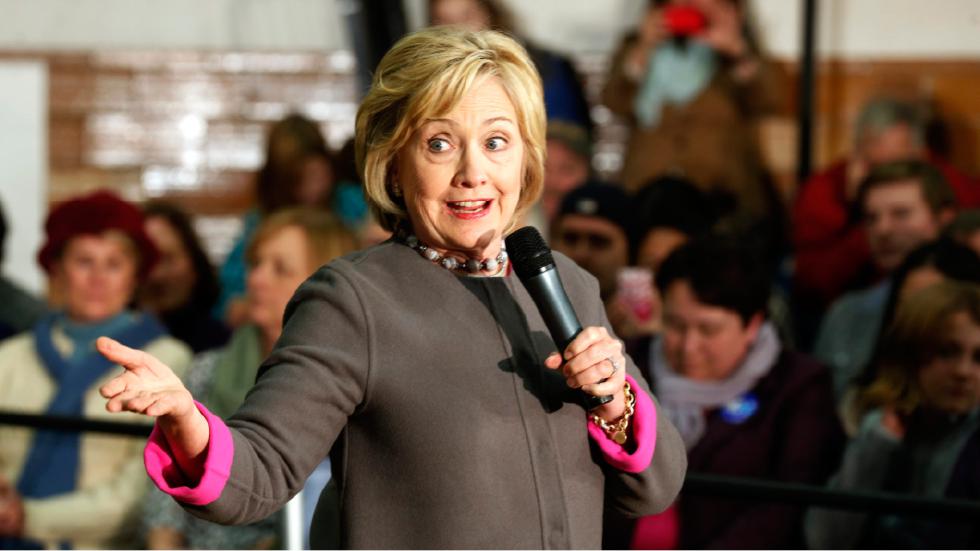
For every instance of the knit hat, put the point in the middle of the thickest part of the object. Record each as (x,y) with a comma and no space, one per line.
(94,214)
(600,200)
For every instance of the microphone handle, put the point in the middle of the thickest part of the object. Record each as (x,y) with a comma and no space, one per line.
(549,295)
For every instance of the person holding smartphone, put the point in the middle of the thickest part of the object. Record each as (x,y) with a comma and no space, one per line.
(691,80)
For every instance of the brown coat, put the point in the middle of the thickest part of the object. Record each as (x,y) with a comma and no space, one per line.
(711,140)
(446,431)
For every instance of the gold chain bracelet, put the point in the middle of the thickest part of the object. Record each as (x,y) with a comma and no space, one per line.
(617,429)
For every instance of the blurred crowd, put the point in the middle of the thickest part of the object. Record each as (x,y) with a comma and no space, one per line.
(831,341)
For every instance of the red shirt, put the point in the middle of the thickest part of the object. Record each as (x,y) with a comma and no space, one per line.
(831,249)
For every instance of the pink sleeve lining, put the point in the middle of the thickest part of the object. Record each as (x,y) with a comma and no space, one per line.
(166,474)
(644,432)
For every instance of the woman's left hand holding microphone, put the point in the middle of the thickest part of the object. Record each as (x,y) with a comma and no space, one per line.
(594,362)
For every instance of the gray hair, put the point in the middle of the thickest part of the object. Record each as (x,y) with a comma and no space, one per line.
(882,113)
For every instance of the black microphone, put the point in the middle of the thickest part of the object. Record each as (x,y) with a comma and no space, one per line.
(536,269)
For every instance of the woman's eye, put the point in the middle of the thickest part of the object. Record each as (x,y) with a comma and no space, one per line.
(494,144)
(438,145)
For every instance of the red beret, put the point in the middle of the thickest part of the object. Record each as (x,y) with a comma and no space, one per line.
(95,214)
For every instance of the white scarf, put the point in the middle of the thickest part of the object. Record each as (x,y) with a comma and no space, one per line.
(675,74)
(685,400)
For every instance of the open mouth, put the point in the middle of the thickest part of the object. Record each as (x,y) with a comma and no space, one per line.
(469,209)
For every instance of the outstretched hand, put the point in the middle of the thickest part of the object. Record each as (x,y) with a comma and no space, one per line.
(148,387)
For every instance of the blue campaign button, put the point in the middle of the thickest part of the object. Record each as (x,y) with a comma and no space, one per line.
(740,409)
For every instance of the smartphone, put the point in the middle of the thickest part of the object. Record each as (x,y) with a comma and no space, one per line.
(635,290)
(684,20)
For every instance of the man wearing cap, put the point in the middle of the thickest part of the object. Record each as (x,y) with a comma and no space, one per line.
(75,489)
(592,228)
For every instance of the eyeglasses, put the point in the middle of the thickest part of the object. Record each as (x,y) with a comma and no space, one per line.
(595,241)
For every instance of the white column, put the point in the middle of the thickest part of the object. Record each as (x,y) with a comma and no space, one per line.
(24,167)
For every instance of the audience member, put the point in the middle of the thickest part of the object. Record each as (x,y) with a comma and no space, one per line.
(744,405)
(70,488)
(20,309)
(671,211)
(298,170)
(918,432)
(182,288)
(934,262)
(564,96)
(692,96)
(593,228)
(567,166)
(349,203)
(903,204)
(286,248)
(832,254)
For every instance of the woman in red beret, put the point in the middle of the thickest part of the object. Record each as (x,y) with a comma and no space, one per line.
(79,489)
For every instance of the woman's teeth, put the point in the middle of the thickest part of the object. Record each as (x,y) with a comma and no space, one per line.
(468,206)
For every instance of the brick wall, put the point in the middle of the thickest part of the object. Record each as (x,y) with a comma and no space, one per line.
(188,126)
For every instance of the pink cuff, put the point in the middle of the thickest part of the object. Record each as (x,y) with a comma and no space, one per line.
(644,428)
(162,466)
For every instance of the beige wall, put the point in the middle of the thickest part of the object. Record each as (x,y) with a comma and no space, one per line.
(179,24)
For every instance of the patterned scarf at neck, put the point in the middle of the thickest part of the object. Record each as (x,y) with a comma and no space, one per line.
(685,400)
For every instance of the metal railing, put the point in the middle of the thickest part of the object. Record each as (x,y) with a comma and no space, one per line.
(695,483)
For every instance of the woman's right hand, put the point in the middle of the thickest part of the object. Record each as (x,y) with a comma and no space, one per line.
(149,387)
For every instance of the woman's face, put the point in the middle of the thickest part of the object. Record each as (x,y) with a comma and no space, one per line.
(96,276)
(281,263)
(950,382)
(171,283)
(703,342)
(461,174)
(315,181)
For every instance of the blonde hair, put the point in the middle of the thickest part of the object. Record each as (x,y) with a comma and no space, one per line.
(915,338)
(424,76)
(326,237)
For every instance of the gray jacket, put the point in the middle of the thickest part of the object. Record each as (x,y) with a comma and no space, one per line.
(445,430)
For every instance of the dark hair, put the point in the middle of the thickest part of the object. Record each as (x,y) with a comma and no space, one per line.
(953,260)
(935,189)
(291,142)
(206,289)
(671,202)
(722,272)
(346,164)
(3,232)
(966,223)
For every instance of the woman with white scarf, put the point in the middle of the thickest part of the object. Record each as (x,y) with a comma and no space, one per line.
(692,82)
(744,405)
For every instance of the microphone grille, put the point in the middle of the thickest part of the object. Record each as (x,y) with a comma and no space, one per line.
(528,252)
